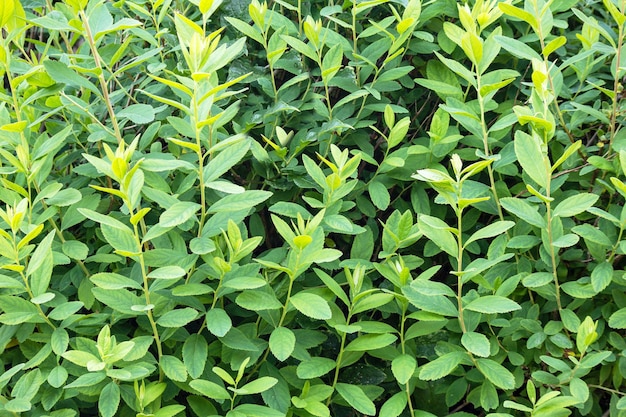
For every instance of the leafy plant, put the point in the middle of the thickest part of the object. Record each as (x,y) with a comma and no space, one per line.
(312,209)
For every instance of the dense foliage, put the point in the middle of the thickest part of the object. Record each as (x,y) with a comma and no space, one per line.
(312,209)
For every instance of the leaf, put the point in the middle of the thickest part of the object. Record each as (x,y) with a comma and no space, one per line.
(7,8)
(490,304)
(523,210)
(173,368)
(370,342)
(87,380)
(218,322)
(491,230)
(109,400)
(355,396)
(395,405)
(379,195)
(497,374)
(579,389)
(243,201)
(138,113)
(403,366)
(61,73)
(282,343)
(618,319)
(258,300)
(438,232)
(441,366)
(257,386)
(178,318)
(210,389)
(311,305)
(575,204)
(517,48)
(531,158)
(438,304)
(178,213)
(225,160)
(476,343)
(315,367)
(113,281)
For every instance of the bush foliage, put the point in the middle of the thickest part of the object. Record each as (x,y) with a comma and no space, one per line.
(306,209)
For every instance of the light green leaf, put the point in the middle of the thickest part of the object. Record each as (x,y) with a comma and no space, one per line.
(178,317)
(497,374)
(167,272)
(173,368)
(138,113)
(395,405)
(438,232)
(218,322)
(210,389)
(491,230)
(379,195)
(403,366)
(258,300)
(523,210)
(257,386)
(370,342)
(282,343)
(109,400)
(476,343)
(225,160)
(531,158)
(195,353)
(618,319)
(441,366)
(517,48)
(315,367)
(178,213)
(355,396)
(438,304)
(575,204)
(490,304)
(243,201)
(113,281)
(311,305)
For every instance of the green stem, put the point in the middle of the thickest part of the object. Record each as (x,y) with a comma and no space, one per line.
(101,80)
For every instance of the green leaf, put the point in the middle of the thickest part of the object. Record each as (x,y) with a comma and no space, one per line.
(531,157)
(517,48)
(438,304)
(87,380)
(195,354)
(395,405)
(113,281)
(579,389)
(282,343)
(254,410)
(497,374)
(441,366)
(57,376)
(490,304)
(491,230)
(403,366)
(61,73)
(575,204)
(243,201)
(355,396)
(178,318)
(311,305)
(438,232)
(178,213)
(121,239)
(523,210)
(257,386)
(315,367)
(210,389)
(109,400)
(218,322)
(138,113)
(601,276)
(258,300)
(379,195)
(618,319)
(173,368)
(167,272)
(370,342)
(59,340)
(225,160)
(476,343)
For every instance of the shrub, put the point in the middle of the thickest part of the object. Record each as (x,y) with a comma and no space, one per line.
(312,209)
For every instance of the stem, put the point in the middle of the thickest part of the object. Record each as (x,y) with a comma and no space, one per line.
(616,84)
(101,80)
(459,294)
(552,253)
